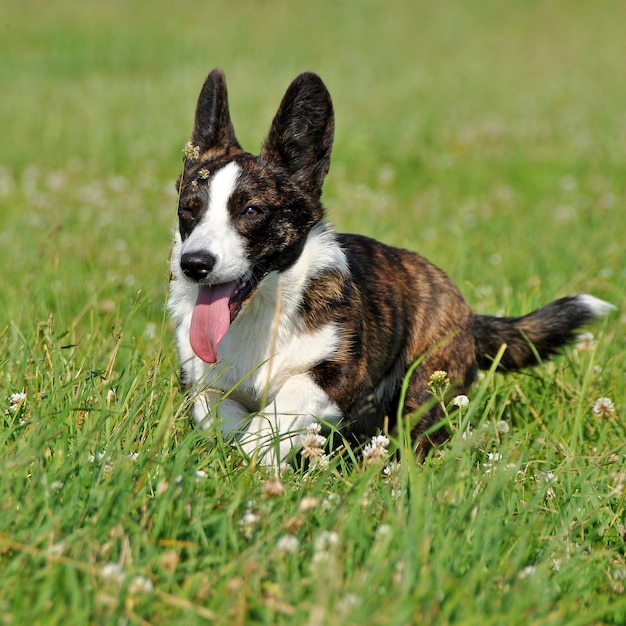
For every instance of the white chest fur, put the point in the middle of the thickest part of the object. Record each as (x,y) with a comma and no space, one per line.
(267,345)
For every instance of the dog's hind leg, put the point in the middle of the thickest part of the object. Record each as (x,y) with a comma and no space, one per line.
(448,371)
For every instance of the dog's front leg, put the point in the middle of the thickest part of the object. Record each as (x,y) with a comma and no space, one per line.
(278,428)
(210,406)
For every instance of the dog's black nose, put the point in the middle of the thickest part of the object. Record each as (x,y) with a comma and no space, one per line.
(197,265)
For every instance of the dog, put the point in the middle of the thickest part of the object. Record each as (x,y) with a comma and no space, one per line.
(281,322)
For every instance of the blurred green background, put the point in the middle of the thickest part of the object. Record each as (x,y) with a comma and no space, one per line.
(488,135)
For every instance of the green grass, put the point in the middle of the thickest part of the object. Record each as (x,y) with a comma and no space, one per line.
(489,136)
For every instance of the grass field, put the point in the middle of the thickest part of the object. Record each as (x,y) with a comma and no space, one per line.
(489,136)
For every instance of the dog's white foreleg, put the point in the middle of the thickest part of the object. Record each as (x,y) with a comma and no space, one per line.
(210,406)
(278,429)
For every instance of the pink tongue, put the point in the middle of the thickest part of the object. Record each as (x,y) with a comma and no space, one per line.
(210,320)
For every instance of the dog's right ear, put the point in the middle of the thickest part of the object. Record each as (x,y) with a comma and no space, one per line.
(212,129)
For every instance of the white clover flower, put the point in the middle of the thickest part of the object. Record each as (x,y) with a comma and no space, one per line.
(201,474)
(325,545)
(248,523)
(550,477)
(383,530)
(492,461)
(397,494)
(586,342)
(376,449)
(313,442)
(467,435)
(439,379)
(391,470)
(288,544)
(112,571)
(140,584)
(308,503)
(326,540)
(56,549)
(320,462)
(502,427)
(398,572)
(381,441)
(528,571)
(331,501)
(284,469)
(16,400)
(319,559)
(314,429)
(604,407)
(347,603)
(460,401)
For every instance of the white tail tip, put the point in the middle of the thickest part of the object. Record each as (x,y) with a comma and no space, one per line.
(595,306)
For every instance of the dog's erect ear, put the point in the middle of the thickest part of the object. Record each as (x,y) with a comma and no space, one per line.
(212,128)
(301,136)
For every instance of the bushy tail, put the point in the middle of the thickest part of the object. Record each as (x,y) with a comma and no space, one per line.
(536,336)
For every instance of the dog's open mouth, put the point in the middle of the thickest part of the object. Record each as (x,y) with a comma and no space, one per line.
(215,309)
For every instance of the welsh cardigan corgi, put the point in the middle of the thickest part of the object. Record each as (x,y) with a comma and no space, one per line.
(282,322)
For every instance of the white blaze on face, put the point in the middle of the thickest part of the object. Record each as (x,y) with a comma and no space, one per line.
(216,233)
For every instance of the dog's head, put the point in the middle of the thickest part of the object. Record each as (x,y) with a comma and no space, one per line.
(242,216)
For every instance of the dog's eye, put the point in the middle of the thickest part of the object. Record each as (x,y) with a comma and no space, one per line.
(252,211)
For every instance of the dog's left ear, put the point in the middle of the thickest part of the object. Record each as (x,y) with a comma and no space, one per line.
(301,136)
